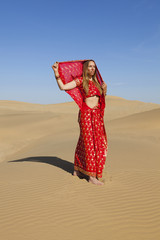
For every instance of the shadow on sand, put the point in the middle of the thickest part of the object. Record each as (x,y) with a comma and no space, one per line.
(54,161)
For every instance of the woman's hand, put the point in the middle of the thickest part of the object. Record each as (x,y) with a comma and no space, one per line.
(62,86)
(55,67)
(104,88)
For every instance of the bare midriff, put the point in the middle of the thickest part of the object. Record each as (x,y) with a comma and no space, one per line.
(92,101)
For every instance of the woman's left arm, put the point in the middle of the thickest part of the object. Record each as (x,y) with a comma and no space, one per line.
(104,88)
(62,86)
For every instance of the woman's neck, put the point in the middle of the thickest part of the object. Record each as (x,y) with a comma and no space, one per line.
(90,78)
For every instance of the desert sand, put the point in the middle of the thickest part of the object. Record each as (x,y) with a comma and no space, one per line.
(41,199)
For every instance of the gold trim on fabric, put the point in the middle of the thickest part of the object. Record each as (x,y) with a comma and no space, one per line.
(92,174)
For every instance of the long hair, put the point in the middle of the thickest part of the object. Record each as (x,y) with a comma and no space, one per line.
(86,78)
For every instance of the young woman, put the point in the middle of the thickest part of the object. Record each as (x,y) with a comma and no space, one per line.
(91,150)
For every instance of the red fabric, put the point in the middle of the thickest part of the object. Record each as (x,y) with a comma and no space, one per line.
(93,90)
(91,150)
(71,70)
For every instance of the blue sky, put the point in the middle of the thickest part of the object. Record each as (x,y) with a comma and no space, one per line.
(122,36)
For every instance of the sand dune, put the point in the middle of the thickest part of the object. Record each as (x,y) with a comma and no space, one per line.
(136,120)
(144,125)
(40,199)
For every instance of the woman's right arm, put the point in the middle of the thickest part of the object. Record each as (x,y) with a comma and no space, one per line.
(62,86)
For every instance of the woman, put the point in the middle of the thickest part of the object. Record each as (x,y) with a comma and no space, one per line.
(91,150)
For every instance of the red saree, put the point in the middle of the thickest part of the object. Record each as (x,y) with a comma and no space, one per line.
(91,150)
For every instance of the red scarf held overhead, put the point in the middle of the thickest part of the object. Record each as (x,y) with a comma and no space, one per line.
(73,69)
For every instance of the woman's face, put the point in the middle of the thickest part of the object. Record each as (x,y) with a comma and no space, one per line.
(91,68)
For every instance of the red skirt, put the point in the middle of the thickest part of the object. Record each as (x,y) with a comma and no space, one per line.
(91,150)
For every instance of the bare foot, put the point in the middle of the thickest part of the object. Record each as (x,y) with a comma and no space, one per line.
(77,173)
(95,181)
